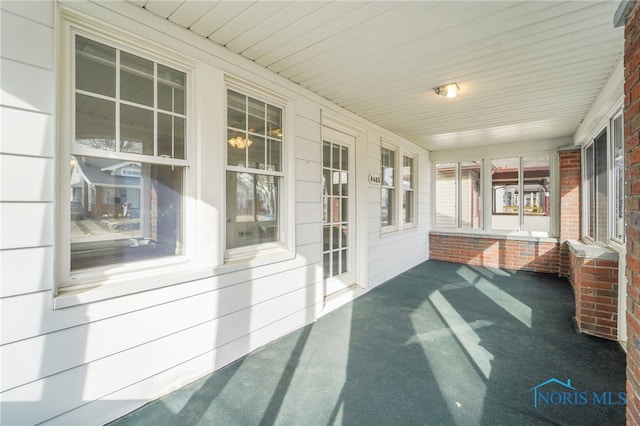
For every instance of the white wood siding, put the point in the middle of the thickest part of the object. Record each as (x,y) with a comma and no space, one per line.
(92,362)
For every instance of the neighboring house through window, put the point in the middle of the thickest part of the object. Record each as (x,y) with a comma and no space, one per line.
(127,156)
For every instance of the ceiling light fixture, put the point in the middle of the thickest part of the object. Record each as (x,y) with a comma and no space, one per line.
(240,142)
(448,90)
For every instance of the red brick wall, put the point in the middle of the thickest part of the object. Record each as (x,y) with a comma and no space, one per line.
(632,204)
(538,256)
(595,283)
(570,181)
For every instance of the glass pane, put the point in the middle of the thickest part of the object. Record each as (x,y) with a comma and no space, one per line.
(591,196)
(506,196)
(326,154)
(407,172)
(344,183)
(335,183)
(252,209)
(536,196)
(326,265)
(336,237)
(602,191)
(256,147)
(171,93)
(386,201)
(343,263)
(136,130)
(326,211)
(236,149)
(407,206)
(236,110)
(470,200)
(618,173)
(326,238)
(95,67)
(170,136)
(124,211)
(326,179)
(345,210)
(388,164)
(335,263)
(136,79)
(335,210)
(274,122)
(344,158)
(274,155)
(95,123)
(335,156)
(446,195)
(256,116)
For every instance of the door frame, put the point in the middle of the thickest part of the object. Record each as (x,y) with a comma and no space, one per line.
(359,133)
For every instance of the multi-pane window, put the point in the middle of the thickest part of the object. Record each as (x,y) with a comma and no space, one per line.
(128,157)
(408,188)
(254,171)
(335,208)
(604,184)
(521,193)
(388,188)
(618,178)
(458,195)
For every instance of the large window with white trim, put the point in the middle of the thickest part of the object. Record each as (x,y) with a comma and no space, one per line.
(254,171)
(127,164)
(604,184)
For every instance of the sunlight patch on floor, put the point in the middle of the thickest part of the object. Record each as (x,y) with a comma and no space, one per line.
(513,306)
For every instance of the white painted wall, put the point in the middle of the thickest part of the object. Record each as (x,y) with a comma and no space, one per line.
(90,362)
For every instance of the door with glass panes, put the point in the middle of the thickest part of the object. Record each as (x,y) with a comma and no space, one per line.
(338,210)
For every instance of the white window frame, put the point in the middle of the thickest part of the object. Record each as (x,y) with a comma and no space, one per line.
(397,219)
(458,195)
(606,126)
(412,190)
(285,243)
(122,278)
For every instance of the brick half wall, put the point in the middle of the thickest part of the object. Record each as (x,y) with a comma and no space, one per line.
(541,255)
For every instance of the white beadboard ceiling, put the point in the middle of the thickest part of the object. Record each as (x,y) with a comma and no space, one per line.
(528,70)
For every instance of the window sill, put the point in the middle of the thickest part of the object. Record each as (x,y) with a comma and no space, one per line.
(588,250)
(393,230)
(161,277)
(129,283)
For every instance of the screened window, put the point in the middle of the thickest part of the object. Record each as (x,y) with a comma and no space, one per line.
(128,151)
(254,171)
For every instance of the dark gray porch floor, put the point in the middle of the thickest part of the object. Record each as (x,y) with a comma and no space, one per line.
(441,344)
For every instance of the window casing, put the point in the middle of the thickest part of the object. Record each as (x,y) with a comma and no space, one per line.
(398,191)
(458,195)
(388,188)
(603,182)
(127,159)
(254,173)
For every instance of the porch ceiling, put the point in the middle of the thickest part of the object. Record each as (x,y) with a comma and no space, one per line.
(527,70)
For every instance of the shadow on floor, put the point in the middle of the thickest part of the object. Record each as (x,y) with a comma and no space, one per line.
(440,344)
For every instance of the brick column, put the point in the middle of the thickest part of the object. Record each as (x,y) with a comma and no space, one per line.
(570,180)
(632,207)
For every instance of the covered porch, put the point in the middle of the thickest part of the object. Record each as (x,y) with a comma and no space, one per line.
(442,343)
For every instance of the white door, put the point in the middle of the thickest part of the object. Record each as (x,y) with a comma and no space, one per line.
(338,210)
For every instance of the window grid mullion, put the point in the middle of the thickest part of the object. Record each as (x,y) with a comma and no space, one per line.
(118,121)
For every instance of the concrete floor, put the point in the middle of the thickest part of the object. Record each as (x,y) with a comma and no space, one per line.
(441,344)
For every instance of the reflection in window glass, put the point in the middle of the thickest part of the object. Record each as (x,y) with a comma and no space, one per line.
(618,176)
(123,211)
(387,195)
(254,158)
(407,189)
(252,209)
